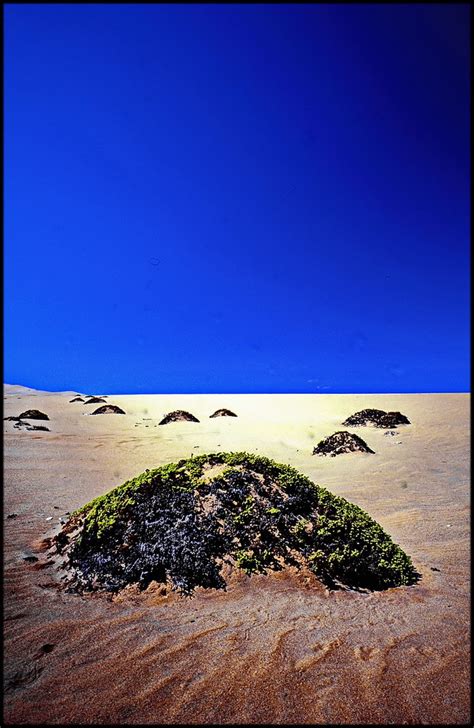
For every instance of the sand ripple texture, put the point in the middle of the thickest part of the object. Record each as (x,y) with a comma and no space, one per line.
(272,649)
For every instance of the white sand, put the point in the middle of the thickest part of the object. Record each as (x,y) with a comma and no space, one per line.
(394,656)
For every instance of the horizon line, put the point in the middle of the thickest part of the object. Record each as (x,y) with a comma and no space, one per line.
(125,394)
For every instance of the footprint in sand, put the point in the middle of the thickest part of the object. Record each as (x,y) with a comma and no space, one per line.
(366,653)
(424,651)
(320,650)
(30,673)
(24,677)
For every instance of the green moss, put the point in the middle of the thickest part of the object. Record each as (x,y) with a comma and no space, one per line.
(246,561)
(301,527)
(251,562)
(247,510)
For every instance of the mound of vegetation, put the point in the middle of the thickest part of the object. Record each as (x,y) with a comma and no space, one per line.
(33,415)
(376,417)
(108,409)
(223,413)
(340,443)
(95,400)
(178,416)
(181,523)
(76,399)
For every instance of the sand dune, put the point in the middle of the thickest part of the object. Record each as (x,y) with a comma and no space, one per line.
(272,649)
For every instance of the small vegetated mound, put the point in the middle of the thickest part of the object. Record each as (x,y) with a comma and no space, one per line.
(340,443)
(33,415)
(108,409)
(95,400)
(180,523)
(223,413)
(178,416)
(76,399)
(376,417)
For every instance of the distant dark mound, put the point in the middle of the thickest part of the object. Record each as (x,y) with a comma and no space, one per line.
(393,419)
(108,409)
(33,415)
(376,417)
(178,416)
(181,523)
(95,400)
(76,399)
(223,413)
(13,419)
(340,443)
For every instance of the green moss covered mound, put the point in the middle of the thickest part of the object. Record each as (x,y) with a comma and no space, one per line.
(182,522)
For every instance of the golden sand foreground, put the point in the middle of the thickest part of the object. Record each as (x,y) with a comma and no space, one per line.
(271,649)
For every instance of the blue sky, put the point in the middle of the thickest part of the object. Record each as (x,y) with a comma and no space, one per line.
(225,198)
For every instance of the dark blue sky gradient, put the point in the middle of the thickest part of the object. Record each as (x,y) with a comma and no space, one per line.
(224,198)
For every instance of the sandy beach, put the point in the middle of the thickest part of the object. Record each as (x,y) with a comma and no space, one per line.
(272,649)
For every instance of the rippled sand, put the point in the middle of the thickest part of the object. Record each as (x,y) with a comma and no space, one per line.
(272,649)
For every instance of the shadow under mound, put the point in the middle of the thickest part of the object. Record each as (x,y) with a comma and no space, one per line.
(95,400)
(376,417)
(21,424)
(182,523)
(178,416)
(33,415)
(108,409)
(340,443)
(223,413)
